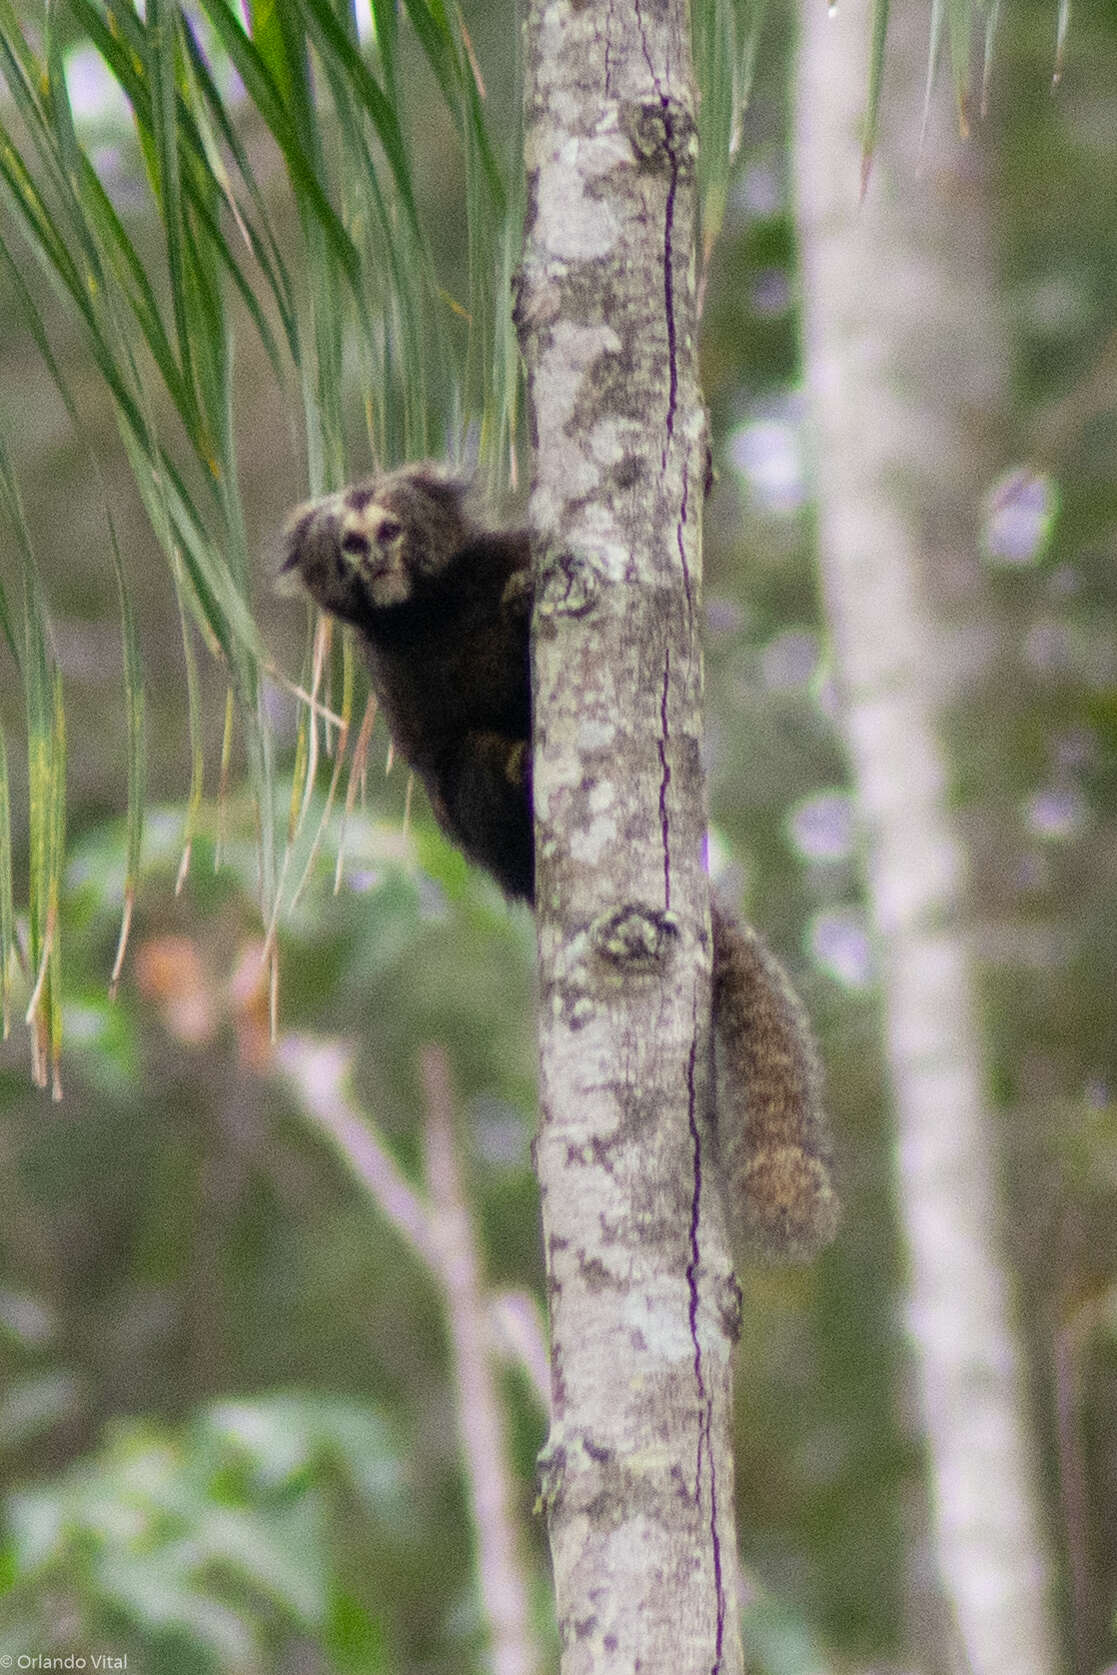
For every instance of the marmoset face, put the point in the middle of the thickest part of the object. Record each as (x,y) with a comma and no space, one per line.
(371,546)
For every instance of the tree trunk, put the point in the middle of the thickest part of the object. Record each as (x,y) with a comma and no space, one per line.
(905,358)
(637,1474)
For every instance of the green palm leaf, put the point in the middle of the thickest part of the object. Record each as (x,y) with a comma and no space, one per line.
(347,282)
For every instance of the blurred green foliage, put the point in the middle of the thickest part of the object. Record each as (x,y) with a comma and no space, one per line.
(211,1546)
(179,1245)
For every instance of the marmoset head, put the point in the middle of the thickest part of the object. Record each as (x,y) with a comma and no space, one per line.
(372,546)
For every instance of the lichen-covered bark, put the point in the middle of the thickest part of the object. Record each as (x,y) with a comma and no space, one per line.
(905,359)
(637,1474)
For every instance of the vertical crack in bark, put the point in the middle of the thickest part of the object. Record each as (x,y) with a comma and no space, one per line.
(680,535)
(669,278)
(665,777)
(705,1396)
(608,43)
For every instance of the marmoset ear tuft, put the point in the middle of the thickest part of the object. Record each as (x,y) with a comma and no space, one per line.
(294,531)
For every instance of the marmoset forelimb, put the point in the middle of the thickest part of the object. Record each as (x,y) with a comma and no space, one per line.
(442,609)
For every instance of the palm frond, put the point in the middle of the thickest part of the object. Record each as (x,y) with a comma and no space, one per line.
(344,296)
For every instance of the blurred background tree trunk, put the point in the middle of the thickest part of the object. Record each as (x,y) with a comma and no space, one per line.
(907,366)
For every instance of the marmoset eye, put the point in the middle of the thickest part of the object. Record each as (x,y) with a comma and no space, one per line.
(389,529)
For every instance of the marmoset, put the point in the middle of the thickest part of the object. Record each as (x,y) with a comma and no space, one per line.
(442,609)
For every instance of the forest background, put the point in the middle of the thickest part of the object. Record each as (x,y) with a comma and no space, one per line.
(211,1337)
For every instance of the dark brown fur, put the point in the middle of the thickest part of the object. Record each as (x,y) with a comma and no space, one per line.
(442,609)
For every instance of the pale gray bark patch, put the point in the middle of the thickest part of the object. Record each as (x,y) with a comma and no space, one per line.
(904,354)
(637,1471)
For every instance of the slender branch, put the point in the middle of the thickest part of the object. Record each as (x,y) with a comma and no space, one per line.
(521,1336)
(439,1228)
(320,1073)
(479,1410)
